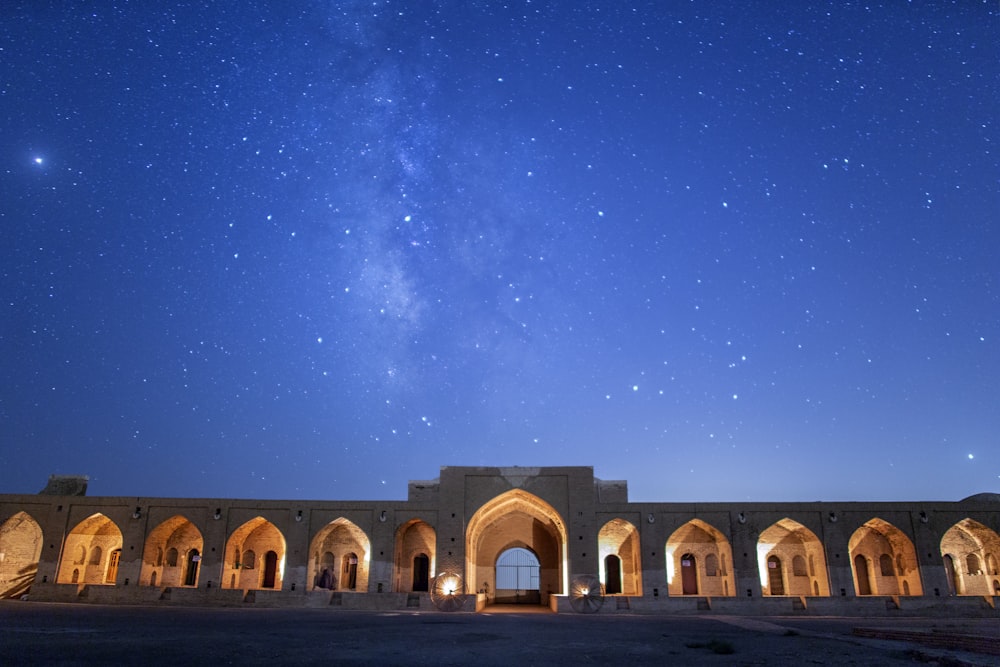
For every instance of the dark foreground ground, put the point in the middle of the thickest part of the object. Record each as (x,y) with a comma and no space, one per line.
(33,633)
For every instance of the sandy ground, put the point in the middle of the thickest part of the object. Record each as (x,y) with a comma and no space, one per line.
(33,633)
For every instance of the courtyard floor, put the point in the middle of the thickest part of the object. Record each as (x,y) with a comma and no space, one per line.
(35,633)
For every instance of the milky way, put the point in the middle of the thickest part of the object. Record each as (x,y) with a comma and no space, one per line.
(723,250)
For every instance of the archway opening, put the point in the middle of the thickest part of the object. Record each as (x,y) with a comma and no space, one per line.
(340,554)
(160,562)
(516,519)
(618,547)
(889,558)
(517,577)
(967,548)
(21,546)
(794,545)
(249,570)
(698,557)
(414,557)
(87,551)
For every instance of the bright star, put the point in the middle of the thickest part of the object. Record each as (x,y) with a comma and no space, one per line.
(38,160)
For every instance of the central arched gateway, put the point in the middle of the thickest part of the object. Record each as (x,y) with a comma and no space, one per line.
(516,519)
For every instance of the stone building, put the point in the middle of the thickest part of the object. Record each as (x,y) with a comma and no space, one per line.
(478,536)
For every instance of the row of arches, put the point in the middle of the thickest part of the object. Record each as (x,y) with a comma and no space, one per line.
(172,554)
(698,557)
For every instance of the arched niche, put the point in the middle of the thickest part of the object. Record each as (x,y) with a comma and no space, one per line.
(699,561)
(883,560)
(516,519)
(343,550)
(249,565)
(91,549)
(971,552)
(177,535)
(416,543)
(20,547)
(797,554)
(620,559)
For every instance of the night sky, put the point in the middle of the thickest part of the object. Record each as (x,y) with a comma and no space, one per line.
(312,250)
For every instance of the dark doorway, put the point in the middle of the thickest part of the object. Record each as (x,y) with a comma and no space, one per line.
(613,575)
(191,576)
(861,572)
(270,569)
(775,579)
(689,575)
(421,572)
(949,566)
(349,577)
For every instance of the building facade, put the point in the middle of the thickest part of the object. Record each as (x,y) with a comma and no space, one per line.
(478,536)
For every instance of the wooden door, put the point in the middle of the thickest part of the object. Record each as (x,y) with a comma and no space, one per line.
(113,559)
(775,579)
(689,575)
(270,569)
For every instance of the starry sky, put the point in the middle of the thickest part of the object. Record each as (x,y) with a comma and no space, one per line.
(311,250)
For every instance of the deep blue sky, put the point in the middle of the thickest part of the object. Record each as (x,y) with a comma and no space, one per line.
(723,250)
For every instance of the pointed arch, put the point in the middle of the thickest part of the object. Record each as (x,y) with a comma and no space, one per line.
(21,544)
(793,545)
(258,536)
(99,537)
(343,541)
(889,558)
(686,551)
(618,538)
(970,551)
(176,538)
(516,518)
(414,539)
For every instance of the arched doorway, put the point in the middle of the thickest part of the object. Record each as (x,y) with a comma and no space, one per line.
(516,519)
(191,573)
(775,577)
(618,540)
(517,577)
(349,572)
(689,575)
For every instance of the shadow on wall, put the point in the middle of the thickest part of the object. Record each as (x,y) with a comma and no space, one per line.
(20,584)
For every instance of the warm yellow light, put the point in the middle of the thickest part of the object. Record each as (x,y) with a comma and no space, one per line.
(762,551)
